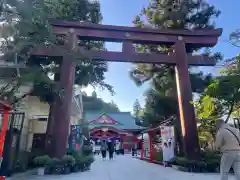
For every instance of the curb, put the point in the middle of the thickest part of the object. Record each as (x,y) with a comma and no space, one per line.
(20,175)
(153,162)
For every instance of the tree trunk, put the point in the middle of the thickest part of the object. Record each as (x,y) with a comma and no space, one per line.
(230,112)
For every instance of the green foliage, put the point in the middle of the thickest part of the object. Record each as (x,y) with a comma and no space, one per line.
(161,101)
(209,162)
(83,158)
(79,160)
(159,107)
(210,155)
(138,113)
(137,109)
(41,161)
(93,103)
(87,150)
(89,160)
(54,162)
(208,110)
(26,22)
(68,160)
(221,97)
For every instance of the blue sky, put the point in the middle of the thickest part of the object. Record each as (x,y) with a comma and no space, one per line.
(122,12)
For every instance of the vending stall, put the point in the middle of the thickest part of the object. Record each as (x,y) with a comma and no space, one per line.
(150,143)
(158,144)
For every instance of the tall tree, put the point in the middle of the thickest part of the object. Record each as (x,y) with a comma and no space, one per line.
(137,109)
(94,94)
(26,22)
(173,15)
(138,113)
(93,103)
(224,92)
(26,26)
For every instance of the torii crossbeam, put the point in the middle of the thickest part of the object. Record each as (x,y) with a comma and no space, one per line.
(129,35)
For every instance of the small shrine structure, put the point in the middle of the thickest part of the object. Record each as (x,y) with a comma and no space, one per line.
(114,126)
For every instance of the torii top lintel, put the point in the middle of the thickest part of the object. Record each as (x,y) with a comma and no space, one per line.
(200,38)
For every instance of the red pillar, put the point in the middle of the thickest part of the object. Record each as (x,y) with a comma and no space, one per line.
(142,147)
(2,137)
(150,148)
(3,133)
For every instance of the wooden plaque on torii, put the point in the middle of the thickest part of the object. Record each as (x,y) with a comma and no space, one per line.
(128,36)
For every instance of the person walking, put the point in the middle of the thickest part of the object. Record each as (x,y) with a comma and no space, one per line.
(110,150)
(133,150)
(228,142)
(104,149)
(93,147)
(117,148)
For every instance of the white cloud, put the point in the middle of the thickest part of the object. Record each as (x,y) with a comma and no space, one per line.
(89,90)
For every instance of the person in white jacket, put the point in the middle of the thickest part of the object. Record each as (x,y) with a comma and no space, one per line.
(228,142)
(93,147)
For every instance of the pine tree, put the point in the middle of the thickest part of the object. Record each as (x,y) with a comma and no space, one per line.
(94,94)
(32,28)
(137,109)
(26,26)
(173,15)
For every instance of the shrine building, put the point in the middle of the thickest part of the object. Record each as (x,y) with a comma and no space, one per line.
(115,126)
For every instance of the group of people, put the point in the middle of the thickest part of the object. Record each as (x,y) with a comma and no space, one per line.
(107,146)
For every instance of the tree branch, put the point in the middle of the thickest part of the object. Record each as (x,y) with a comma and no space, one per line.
(230,109)
(20,98)
(2,90)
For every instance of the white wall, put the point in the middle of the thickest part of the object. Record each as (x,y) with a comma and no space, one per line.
(33,109)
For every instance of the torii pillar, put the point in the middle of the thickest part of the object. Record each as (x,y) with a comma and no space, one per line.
(186,108)
(62,109)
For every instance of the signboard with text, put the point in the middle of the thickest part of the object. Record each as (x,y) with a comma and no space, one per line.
(168,142)
(75,137)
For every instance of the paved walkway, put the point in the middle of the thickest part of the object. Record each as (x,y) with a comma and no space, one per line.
(128,168)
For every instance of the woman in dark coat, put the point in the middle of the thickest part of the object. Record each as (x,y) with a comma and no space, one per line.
(110,150)
(104,150)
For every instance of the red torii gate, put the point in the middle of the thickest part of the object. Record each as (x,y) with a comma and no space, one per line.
(129,35)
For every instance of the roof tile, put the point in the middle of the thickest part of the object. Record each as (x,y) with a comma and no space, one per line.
(125,119)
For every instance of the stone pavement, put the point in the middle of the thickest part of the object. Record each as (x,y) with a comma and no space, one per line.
(127,168)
